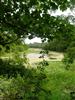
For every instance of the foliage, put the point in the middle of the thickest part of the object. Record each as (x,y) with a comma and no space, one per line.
(11,68)
(69,56)
(52,83)
(62,41)
(27,18)
(19,19)
(16,64)
(2,50)
(60,81)
(6,37)
(55,45)
(28,87)
(18,47)
(21,82)
(12,89)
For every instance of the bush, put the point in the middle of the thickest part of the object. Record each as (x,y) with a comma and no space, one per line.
(2,50)
(24,88)
(13,88)
(10,68)
(69,57)
(18,47)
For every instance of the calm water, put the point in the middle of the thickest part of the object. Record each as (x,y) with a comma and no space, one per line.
(35,55)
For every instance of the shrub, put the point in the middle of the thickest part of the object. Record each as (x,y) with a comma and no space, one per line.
(10,68)
(69,57)
(24,88)
(2,50)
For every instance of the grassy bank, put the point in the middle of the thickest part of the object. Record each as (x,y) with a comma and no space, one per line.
(61,82)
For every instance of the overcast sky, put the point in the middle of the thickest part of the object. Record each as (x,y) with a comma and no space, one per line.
(27,41)
(58,12)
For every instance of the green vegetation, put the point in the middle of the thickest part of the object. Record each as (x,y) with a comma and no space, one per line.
(34,50)
(19,80)
(52,82)
(35,45)
(60,81)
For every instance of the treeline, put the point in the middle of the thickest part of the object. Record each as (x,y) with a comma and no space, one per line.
(35,45)
(53,45)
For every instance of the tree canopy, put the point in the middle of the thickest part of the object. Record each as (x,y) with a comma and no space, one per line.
(21,18)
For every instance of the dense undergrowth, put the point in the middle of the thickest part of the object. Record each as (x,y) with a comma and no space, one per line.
(19,82)
(48,81)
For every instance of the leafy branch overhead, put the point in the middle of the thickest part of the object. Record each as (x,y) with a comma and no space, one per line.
(31,18)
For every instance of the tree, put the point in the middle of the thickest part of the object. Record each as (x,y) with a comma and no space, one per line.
(62,39)
(30,18)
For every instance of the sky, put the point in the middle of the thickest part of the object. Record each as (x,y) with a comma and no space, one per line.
(27,41)
(66,13)
(58,12)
